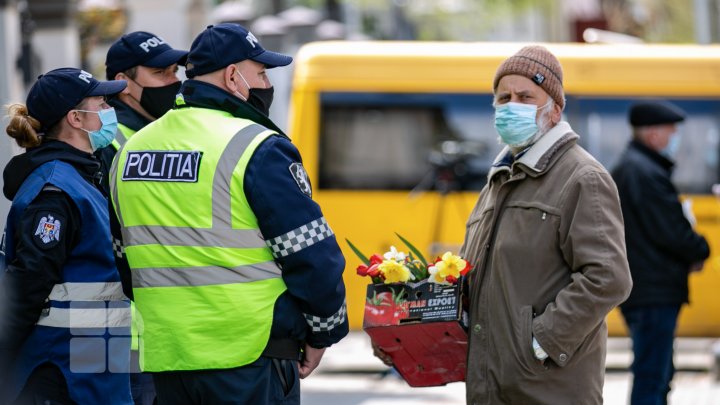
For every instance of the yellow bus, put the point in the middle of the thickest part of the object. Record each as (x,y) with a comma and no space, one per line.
(398,137)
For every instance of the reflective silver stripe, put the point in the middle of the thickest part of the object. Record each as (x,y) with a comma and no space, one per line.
(120,137)
(87,292)
(87,318)
(319,324)
(300,238)
(221,209)
(184,236)
(202,276)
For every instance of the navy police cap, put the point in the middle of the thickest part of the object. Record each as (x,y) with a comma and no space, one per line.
(227,43)
(58,91)
(141,48)
(654,113)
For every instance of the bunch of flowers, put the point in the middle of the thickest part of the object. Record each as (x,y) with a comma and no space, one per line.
(400,267)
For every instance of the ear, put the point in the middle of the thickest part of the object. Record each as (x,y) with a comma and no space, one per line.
(73,119)
(230,78)
(556,114)
(123,76)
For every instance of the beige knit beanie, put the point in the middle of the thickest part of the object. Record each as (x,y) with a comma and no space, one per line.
(539,65)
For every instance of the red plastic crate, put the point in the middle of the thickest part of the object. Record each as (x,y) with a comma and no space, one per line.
(420,327)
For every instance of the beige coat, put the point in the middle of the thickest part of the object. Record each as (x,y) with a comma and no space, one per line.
(547,241)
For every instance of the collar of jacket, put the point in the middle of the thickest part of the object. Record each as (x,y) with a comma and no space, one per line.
(22,165)
(205,95)
(540,155)
(127,116)
(656,157)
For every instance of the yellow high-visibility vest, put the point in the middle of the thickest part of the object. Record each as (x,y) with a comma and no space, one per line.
(204,280)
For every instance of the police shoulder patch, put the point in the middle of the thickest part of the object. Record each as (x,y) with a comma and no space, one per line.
(48,229)
(301,178)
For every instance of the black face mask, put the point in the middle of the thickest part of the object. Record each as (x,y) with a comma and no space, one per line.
(261,99)
(159,100)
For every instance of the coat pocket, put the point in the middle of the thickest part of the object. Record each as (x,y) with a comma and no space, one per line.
(529,363)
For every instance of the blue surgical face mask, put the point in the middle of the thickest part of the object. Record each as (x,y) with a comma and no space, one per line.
(516,122)
(671,149)
(105,135)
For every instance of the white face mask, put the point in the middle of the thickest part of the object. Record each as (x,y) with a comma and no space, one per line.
(237,93)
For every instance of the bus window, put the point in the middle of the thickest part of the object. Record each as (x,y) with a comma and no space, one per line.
(398,141)
(604,132)
(393,141)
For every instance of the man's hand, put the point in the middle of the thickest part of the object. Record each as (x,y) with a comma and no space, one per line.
(311,359)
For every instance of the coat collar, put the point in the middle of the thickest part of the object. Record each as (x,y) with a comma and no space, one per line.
(539,156)
(656,157)
(127,116)
(195,93)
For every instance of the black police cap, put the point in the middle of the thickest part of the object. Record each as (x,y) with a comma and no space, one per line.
(227,43)
(58,91)
(141,48)
(654,113)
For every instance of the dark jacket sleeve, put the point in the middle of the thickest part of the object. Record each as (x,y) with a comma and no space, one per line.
(119,253)
(105,156)
(36,268)
(303,243)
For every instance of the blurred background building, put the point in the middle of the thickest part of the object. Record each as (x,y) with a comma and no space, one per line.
(39,35)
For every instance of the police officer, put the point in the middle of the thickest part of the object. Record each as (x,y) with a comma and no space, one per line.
(149,65)
(64,321)
(662,247)
(236,273)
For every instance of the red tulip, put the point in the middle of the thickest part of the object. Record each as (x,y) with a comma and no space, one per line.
(371,270)
(467,268)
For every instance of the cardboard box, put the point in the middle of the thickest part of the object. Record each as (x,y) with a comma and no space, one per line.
(422,327)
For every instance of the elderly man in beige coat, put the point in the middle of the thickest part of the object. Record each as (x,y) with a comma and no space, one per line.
(548,243)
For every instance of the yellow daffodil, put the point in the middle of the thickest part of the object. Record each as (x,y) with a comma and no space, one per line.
(395,272)
(447,269)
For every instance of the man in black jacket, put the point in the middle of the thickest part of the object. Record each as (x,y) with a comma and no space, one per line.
(662,247)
